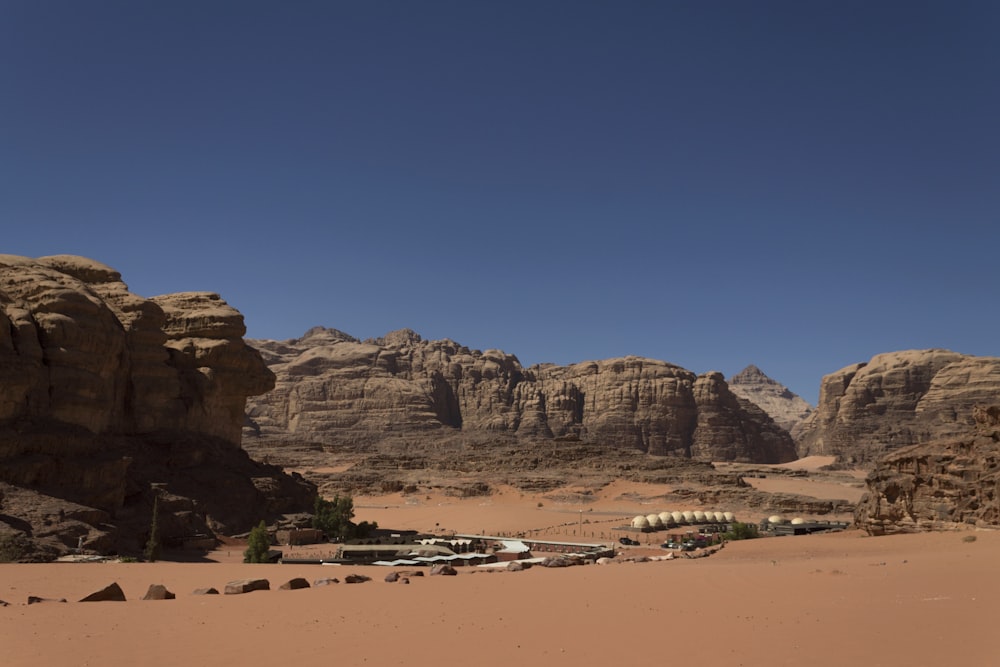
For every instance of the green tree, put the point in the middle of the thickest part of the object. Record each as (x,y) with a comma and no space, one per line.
(153,547)
(741,531)
(258,544)
(333,517)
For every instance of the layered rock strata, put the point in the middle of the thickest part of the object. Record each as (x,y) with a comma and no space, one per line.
(937,486)
(895,400)
(334,389)
(108,398)
(786,408)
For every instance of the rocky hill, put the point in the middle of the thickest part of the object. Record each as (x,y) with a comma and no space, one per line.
(108,400)
(784,407)
(338,391)
(895,400)
(937,486)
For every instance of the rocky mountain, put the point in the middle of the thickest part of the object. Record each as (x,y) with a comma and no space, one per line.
(895,400)
(339,391)
(108,399)
(785,408)
(937,486)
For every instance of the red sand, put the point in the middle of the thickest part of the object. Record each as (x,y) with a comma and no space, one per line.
(824,600)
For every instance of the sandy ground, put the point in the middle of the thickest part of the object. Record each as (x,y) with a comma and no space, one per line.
(824,600)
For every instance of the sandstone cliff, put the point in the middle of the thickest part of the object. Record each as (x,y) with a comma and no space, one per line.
(336,390)
(108,398)
(895,400)
(937,486)
(784,407)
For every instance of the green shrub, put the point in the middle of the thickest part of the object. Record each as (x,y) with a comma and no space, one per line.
(14,547)
(258,544)
(333,517)
(741,531)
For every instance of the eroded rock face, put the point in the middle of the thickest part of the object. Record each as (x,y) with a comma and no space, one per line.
(104,393)
(937,486)
(77,347)
(896,400)
(784,407)
(335,389)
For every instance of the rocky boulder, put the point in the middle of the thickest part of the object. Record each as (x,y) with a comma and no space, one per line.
(158,592)
(241,586)
(937,486)
(338,391)
(294,584)
(896,400)
(110,593)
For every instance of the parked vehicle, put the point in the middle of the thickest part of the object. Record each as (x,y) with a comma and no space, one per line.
(628,541)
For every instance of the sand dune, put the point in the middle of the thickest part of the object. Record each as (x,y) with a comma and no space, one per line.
(834,600)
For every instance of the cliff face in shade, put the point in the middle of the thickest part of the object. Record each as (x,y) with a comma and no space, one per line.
(785,408)
(895,400)
(104,393)
(334,389)
(937,486)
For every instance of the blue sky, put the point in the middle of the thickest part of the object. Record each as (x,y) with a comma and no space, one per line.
(797,185)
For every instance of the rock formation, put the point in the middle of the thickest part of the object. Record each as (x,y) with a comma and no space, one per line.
(339,391)
(108,399)
(895,400)
(937,486)
(784,407)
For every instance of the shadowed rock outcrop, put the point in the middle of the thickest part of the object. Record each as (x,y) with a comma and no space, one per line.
(108,399)
(336,390)
(937,486)
(895,400)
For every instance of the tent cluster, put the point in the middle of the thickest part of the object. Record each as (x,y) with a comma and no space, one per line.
(687,517)
(778,520)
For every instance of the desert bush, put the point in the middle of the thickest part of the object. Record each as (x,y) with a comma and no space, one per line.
(14,547)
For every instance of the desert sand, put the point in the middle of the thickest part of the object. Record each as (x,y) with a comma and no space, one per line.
(825,600)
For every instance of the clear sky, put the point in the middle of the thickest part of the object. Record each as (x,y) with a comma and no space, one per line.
(797,185)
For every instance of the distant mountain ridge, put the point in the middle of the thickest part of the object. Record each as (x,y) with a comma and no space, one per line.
(335,389)
(785,407)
